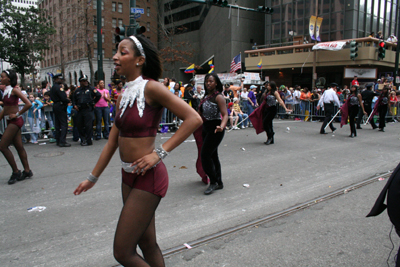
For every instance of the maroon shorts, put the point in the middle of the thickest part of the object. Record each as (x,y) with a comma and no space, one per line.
(17,121)
(155,180)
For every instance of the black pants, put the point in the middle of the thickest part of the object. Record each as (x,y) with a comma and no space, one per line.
(329,110)
(60,122)
(84,121)
(368,109)
(353,111)
(268,117)
(382,110)
(209,151)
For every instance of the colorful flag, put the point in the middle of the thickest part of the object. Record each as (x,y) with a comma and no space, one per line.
(190,69)
(317,29)
(259,65)
(236,64)
(210,63)
(311,27)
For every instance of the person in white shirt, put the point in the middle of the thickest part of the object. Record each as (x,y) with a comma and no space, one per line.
(296,101)
(327,102)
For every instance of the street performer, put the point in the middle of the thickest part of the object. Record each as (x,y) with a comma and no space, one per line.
(327,102)
(144,175)
(350,109)
(367,96)
(12,134)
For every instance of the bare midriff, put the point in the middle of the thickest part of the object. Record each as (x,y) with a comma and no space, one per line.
(131,149)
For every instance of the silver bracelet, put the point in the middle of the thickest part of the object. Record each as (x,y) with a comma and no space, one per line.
(162,154)
(92,178)
(17,114)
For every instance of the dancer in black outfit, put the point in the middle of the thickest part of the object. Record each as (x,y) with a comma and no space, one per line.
(354,100)
(383,102)
(367,96)
(211,108)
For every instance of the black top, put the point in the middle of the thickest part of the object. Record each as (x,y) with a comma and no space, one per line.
(85,96)
(367,96)
(58,95)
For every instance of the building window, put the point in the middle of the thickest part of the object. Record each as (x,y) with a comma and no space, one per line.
(120,7)
(148,11)
(94,4)
(95,37)
(148,26)
(114,6)
(114,23)
(102,22)
(102,5)
(94,20)
(102,38)
(120,23)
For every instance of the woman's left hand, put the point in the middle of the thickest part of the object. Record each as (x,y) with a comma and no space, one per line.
(218,129)
(145,163)
(365,113)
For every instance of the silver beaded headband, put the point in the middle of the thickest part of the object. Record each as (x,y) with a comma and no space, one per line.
(138,45)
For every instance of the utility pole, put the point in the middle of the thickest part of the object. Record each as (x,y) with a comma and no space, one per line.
(132,20)
(99,43)
(314,69)
(396,62)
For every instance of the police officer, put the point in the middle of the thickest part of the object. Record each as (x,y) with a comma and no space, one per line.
(83,100)
(60,104)
(367,96)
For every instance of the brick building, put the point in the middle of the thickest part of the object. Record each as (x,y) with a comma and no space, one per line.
(76,39)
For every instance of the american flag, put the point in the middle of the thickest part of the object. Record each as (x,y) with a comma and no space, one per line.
(236,64)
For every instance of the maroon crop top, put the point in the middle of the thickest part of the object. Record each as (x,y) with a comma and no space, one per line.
(10,101)
(132,125)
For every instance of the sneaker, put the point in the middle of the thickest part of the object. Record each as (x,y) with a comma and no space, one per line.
(242,127)
(52,140)
(25,175)
(45,136)
(15,176)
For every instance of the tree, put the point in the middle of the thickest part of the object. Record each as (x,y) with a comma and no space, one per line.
(23,36)
(173,52)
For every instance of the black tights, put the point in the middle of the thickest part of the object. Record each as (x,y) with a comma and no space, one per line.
(136,226)
(268,117)
(12,135)
(353,111)
(209,151)
(382,109)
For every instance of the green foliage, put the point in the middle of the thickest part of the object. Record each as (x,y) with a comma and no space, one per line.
(24,36)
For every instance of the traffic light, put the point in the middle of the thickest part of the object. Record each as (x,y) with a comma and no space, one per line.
(267,10)
(353,50)
(140,30)
(222,3)
(119,35)
(381,50)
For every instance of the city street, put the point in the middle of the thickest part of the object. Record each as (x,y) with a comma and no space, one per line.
(302,165)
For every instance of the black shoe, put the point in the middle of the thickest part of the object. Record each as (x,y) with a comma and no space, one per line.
(64,145)
(15,176)
(351,135)
(333,130)
(211,189)
(359,127)
(269,141)
(323,133)
(381,129)
(373,128)
(25,175)
(84,144)
(89,143)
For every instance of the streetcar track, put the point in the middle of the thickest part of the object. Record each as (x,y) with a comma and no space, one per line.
(273,216)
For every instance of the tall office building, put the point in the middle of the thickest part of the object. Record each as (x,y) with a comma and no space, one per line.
(210,31)
(74,46)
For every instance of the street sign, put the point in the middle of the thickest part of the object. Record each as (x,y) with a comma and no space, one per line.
(137,10)
(137,15)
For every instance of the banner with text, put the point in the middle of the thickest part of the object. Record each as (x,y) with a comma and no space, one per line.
(332,46)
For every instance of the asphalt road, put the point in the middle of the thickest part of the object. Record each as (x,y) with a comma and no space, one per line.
(301,165)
